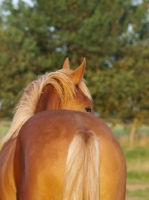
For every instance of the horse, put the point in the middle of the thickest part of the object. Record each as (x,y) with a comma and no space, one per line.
(56,148)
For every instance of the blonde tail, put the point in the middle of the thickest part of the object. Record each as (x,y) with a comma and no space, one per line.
(82,167)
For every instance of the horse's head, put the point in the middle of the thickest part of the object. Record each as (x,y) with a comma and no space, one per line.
(63,89)
(67,90)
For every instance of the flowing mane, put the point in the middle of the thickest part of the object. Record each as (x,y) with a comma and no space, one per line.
(31,95)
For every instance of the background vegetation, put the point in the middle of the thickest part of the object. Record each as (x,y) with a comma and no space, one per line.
(112,35)
(114,38)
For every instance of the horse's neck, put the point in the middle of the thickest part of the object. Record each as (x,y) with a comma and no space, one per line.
(49,99)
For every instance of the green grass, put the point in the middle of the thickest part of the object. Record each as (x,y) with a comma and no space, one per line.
(137,173)
(137,160)
(137,164)
(4,127)
(138,194)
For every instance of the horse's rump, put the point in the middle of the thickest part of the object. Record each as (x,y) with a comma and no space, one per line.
(61,150)
(6,171)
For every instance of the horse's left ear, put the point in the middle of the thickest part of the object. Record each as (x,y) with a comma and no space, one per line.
(77,75)
(66,64)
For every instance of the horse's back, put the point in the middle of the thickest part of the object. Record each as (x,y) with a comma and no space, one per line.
(42,149)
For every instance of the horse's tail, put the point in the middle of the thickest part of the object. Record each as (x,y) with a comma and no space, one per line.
(82,167)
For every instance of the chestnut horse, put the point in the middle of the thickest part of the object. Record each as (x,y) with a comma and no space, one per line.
(54,151)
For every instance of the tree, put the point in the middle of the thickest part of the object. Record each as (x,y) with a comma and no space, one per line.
(112,35)
(15,70)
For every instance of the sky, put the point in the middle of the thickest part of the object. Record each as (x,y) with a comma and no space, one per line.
(29,2)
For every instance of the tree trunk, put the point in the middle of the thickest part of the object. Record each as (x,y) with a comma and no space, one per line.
(132,132)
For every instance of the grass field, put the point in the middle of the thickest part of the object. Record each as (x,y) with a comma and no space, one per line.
(4,126)
(137,173)
(137,160)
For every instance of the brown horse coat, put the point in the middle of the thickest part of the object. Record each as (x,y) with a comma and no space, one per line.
(7,185)
(42,149)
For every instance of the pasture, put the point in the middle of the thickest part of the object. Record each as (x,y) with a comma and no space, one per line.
(136,158)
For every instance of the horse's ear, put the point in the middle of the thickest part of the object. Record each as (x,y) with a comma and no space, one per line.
(77,75)
(66,64)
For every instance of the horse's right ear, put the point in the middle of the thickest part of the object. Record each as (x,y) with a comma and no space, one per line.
(78,73)
(66,64)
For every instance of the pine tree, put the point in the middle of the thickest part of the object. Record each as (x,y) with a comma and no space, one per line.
(112,35)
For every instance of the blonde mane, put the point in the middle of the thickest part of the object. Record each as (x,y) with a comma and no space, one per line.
(31,95)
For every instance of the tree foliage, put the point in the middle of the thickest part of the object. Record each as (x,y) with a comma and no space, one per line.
(112,35)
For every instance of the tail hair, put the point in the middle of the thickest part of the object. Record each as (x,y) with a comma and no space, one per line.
(82,167)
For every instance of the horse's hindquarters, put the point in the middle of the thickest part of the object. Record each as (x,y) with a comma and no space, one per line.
(7,185)
(42,150)
(40,159)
